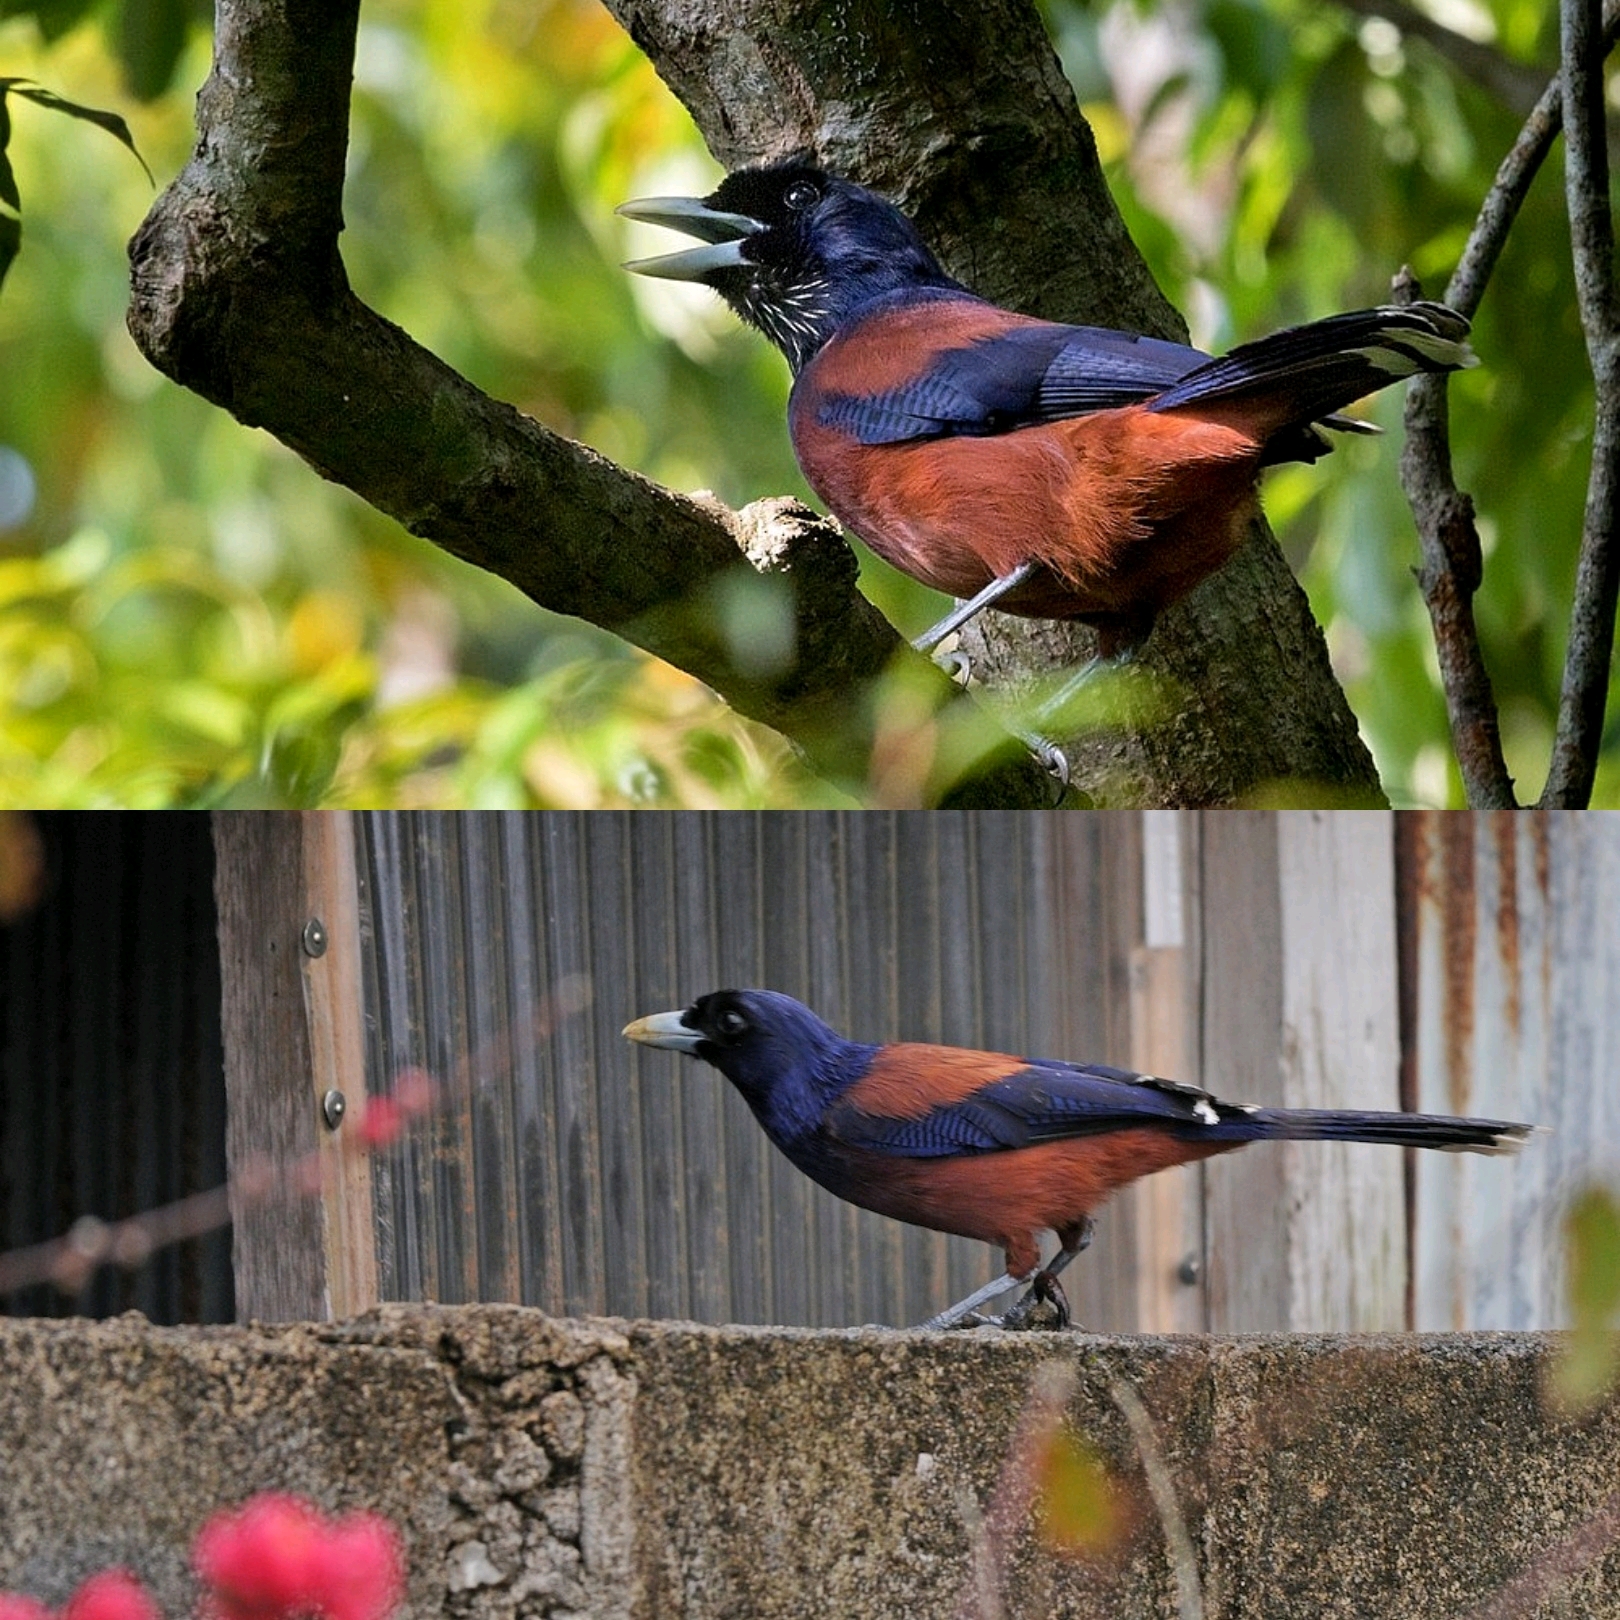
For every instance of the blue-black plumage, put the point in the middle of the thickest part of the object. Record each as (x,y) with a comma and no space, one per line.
(987,1144)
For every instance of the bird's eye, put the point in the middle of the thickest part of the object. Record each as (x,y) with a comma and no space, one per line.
(731,1022)
(800,194)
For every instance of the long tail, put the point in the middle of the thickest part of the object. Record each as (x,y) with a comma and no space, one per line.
(1354,1125)
(1306,373)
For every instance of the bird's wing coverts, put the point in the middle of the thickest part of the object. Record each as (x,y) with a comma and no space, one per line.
(1020,377)
(1040,1102)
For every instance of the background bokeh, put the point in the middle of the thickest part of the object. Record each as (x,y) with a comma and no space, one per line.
(190,616)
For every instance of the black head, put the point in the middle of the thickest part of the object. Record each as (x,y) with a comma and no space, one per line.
(794,250)
(785,1061)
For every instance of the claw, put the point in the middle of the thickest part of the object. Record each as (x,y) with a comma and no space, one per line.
(1047,1291)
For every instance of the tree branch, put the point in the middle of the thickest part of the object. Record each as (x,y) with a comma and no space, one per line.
(1585,689)
(239,293)
(1449,575)
(1453,562)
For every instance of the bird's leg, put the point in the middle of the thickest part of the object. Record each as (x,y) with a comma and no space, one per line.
(1052,758)
(1044,1285)
(963,611)
(954,1315)
(1091,670)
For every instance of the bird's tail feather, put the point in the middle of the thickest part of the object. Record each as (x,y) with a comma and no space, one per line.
(1306,373)
(1354,1125)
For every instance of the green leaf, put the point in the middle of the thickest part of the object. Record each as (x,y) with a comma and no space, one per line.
(1586,1370)
(109,121)
(10,201)
(151,36)
(54,17)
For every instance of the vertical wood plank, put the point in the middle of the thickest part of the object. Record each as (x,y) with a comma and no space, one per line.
(333,998)
(530,1163)
(1095,892)
(278,1246)
(1299,1010)
(493,1040)
(1169,1206)
(1240,1017)
(1340,1044)
(740,927)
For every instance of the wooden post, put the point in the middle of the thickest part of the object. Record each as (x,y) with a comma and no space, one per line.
(1299,1009)
(292,1032)
(1170,1292)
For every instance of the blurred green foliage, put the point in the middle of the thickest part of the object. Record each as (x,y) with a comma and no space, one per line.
(1585,1372)
(189,615)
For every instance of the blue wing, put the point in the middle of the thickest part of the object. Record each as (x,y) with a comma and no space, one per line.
(1016,378)
(1041,1102)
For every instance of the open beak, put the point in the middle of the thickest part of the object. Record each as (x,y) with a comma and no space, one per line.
(664,1029)
(723,233)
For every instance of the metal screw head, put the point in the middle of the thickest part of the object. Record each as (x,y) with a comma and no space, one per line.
(333,1107)
(314,937)
(1190,1270)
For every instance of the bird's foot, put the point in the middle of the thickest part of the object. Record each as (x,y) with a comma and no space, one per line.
(951,658)
(1044,1307)
(1052,760)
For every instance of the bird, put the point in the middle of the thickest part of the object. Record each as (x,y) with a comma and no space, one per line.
(987,1145)
(1055,471)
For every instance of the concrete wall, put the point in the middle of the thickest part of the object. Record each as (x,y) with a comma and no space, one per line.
(543,1467)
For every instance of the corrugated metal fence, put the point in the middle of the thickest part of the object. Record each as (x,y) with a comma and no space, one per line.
(112,1092)
(1515,997)
(505,953)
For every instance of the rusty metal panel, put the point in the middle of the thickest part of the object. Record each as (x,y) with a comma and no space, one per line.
(1514,934)
(572,1171)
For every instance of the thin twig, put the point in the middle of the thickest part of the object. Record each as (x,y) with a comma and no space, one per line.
(1453,562)
(1183,1559)
(1585,690)
(1449,574)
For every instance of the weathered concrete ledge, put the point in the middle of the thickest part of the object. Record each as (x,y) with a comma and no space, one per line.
(543,1467)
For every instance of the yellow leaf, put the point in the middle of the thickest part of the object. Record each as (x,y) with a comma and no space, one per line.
(1077,1505)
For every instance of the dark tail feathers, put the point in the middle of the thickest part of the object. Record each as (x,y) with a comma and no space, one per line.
(1306,373)
(1399,1130)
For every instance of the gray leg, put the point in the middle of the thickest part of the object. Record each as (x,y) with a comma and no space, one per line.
(953,1314)
(1091,670)
(963,611)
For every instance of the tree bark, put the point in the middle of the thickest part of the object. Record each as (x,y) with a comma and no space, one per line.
(961,113)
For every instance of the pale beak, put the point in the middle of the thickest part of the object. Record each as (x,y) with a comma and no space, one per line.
(664,1029)
(722,232)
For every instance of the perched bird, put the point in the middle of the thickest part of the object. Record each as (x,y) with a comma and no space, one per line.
(986,1145)
(1063,472)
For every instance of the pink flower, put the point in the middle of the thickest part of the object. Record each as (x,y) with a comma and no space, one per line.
(381,1123)
(114,1594)
(277,1558)
(362,1569)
